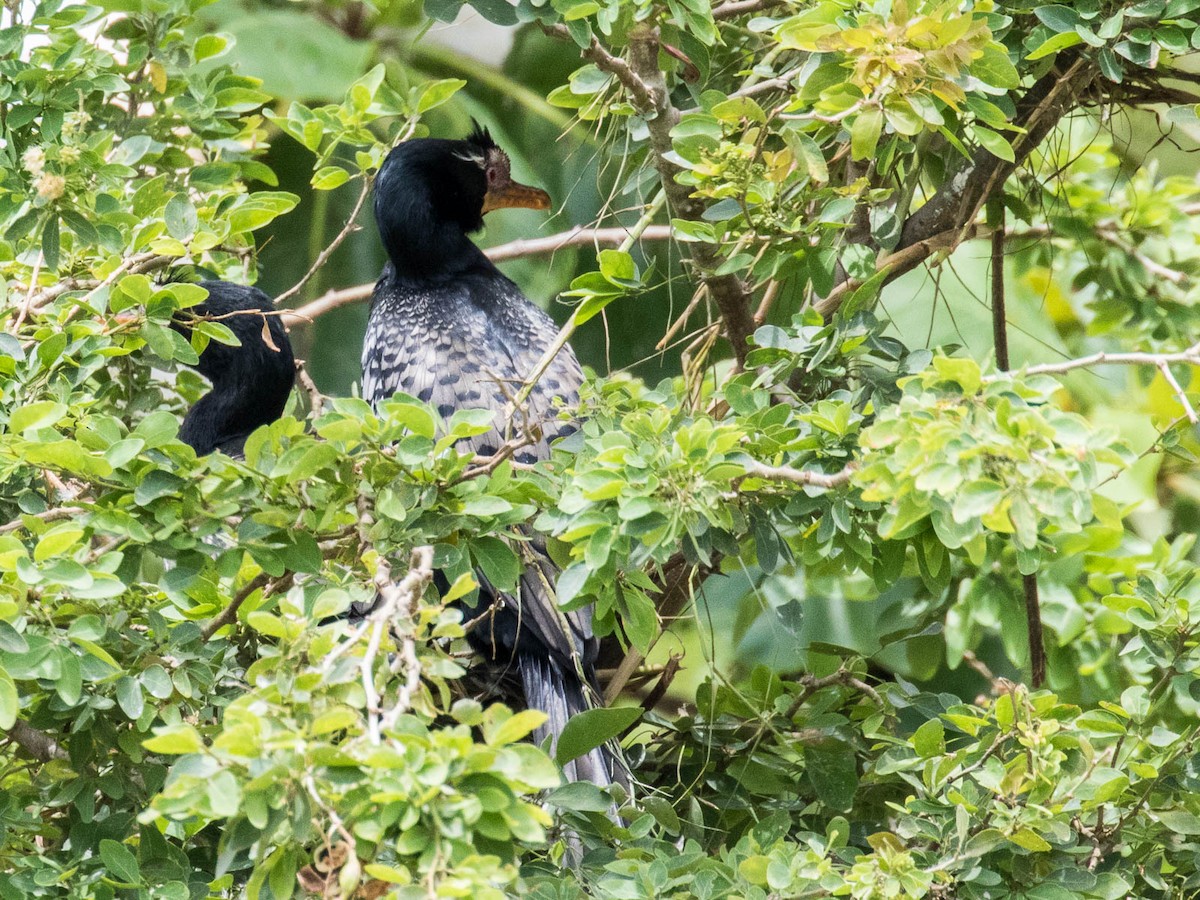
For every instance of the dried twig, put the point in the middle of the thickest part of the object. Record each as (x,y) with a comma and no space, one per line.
(732,8)
(316,400)
(395,610)
(812,684)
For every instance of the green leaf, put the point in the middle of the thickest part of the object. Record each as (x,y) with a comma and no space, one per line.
(50,243)
(865,132)
(618,267)
(516,727)
(498,12)
(438,92)
(1178,821)
(593,728)
(1055,44)
(120,862)
(330,177)
(57,541)
(580,796)
(1057,17)
(129,697)
(1030,840)
(994,143)
(175,741)
(9,704)
(833,772)
(180,217)
(995,68)
(36,415)
(497,561)
(930,739)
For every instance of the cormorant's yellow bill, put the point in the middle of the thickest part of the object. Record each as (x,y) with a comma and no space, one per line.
(504,193)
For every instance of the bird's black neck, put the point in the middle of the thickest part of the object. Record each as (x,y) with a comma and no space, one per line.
(421,245)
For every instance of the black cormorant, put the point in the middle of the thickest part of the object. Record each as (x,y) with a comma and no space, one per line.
(448,328)
(250,382)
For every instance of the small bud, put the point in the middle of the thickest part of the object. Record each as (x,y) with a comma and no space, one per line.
(69,155)
(75,122)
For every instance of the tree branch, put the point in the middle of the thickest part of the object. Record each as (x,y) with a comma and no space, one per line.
(732,8)
(1190,356)
(36,743)
(948,217)
(229,614)
(729,292)
(522,247)
(755,469)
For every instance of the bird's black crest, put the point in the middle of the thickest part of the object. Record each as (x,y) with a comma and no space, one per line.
(480,138)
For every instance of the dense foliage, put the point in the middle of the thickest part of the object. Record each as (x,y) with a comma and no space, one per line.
(811,547)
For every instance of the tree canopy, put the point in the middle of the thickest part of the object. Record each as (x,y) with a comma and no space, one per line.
(884,492)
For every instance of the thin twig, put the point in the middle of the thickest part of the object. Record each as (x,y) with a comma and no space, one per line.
(395,611)
(316,400)
(811,685)
(229,614)
(323,257)
(768,300)
(733,8)
(569,326)
(1190,356)
(28,304)
(1180,393)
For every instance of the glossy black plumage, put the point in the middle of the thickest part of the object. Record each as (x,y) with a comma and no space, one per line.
(250,382)
(448,327)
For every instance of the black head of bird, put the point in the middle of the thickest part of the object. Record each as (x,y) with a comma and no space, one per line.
(250,382)
(431,193)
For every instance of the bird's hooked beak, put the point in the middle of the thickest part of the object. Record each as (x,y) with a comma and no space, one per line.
(504,193)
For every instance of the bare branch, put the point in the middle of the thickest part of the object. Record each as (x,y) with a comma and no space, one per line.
(316,400)
(729,292)
(396,611)
(1190,356)
(732,8)
(812,684)
(49,515)
(1179,392)
(948,218)
(575,237)
(755,469)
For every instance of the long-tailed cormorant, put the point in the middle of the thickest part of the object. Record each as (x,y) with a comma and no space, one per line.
(447,327)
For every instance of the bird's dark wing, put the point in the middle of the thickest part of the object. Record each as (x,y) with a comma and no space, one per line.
(533,620)
(468,352)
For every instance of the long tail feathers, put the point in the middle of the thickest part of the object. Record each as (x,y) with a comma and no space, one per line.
(561,695)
